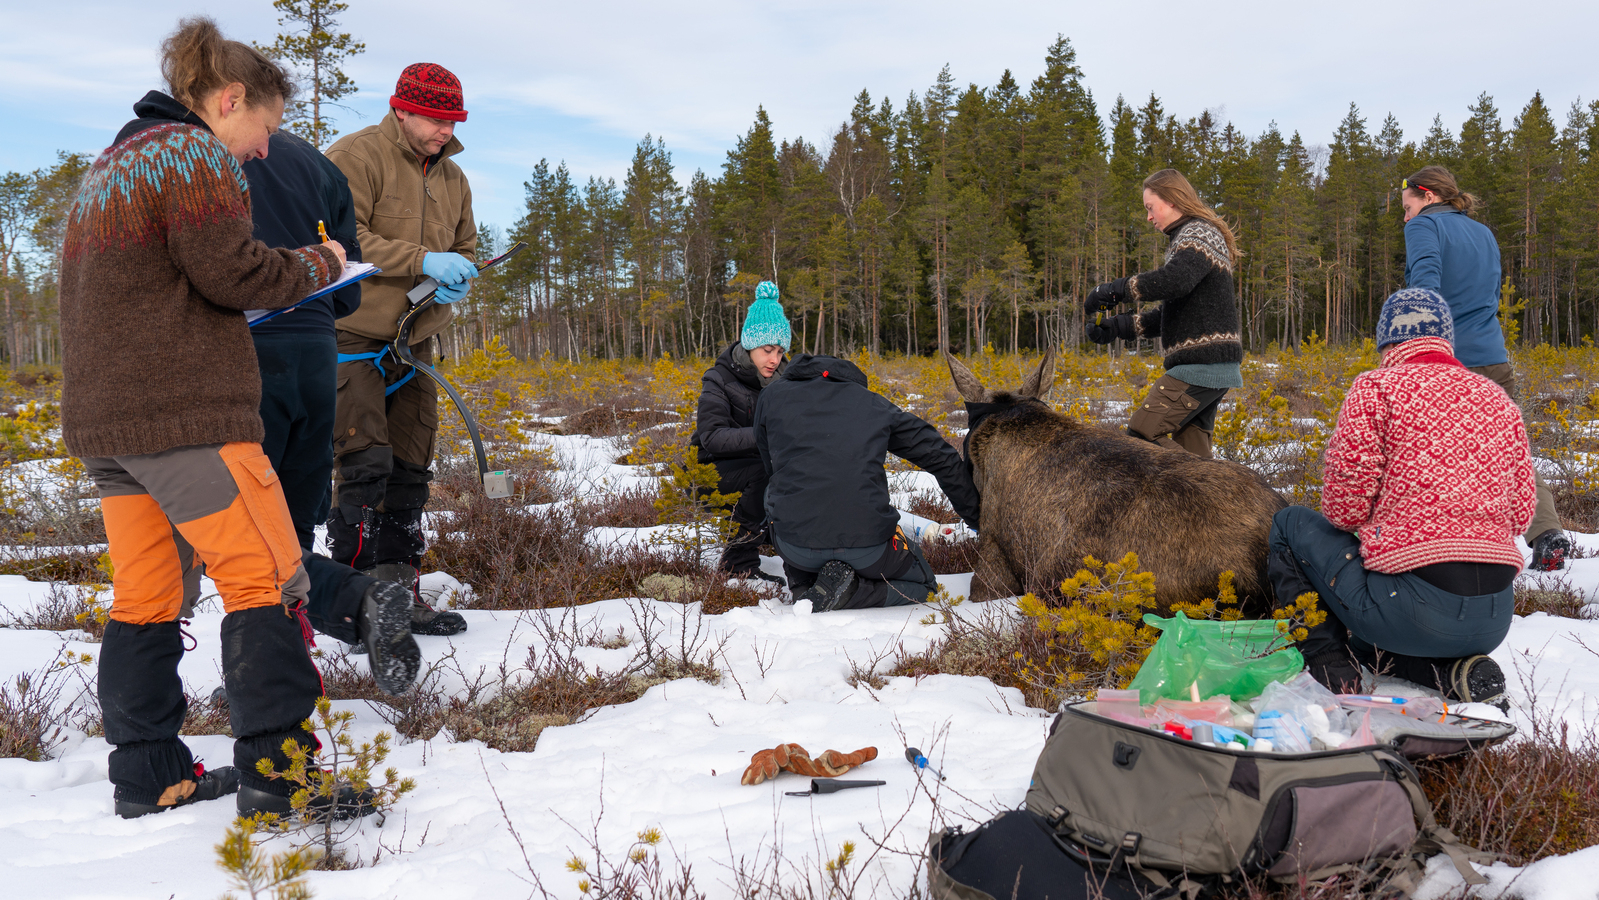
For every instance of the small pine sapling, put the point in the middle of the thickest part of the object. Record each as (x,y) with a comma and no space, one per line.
(689,496)
(1223,607)
(282,877)
(1295,620)
(318,782)
(1096,637)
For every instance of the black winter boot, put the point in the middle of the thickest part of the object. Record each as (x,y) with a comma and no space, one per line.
(835,585)
(424,618)
(1477,679)
(349,804)
(385,627)
(207,785)
(1549,551)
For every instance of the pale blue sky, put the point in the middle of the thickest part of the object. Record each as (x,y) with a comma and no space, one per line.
(585,81)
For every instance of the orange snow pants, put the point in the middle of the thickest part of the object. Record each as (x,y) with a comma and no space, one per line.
(216,504)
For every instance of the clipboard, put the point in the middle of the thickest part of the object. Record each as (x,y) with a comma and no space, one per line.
(353,272)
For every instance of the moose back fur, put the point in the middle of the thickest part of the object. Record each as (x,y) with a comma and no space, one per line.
(1056,490)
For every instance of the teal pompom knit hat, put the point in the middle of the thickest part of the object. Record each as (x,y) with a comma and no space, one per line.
(765,323)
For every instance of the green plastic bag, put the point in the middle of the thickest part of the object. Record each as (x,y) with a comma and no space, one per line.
(1221,657)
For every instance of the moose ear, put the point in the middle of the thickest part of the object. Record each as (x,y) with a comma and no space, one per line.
(966,384)
(1039,384)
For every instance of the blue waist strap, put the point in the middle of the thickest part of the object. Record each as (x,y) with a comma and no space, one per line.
(377,362)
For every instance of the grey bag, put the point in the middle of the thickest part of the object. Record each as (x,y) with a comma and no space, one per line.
(1169,808)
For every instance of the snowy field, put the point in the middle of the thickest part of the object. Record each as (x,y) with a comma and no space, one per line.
(483,823)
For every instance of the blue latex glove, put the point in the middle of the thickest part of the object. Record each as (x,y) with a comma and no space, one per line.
(449,293)
(448,268)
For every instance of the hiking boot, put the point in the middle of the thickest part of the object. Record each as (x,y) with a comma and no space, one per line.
(835,583)
(424,618)
(763,576)
(1336,672)
(1476,679)
(208,785)
(385,629)
(349,804)
(1549,551)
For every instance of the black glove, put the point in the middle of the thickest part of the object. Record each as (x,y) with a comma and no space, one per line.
(1106,296)
(1111,328)
(1101,332)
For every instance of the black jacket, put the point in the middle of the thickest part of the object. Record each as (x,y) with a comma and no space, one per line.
(723,426)
(1197,320)
(290,190)
(823,435)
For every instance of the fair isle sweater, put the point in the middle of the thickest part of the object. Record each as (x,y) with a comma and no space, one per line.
(158,267)
(1429,463)
(1197,320)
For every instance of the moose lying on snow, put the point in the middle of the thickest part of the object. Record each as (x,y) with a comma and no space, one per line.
(1056,490)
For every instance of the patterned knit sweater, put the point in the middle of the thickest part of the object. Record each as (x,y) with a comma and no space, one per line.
(1197,320)
(158,266)
(1429,463)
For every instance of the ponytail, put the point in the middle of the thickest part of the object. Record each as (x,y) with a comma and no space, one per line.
(196,61)
(1441,182)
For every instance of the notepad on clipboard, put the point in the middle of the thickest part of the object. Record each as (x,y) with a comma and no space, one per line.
(353,272)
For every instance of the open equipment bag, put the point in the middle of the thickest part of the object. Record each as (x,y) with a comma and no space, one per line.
(1145,813)
(1172,810)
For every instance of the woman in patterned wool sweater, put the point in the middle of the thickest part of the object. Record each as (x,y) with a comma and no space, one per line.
(1428,480)
(161,399)
(1197,320)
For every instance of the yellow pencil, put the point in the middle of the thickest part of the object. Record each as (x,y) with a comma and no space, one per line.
(321,231)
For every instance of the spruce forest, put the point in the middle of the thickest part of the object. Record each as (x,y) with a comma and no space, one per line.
(971,216)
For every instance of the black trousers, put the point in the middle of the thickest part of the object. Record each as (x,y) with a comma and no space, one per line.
(748,477)
(298,398)
(894,573)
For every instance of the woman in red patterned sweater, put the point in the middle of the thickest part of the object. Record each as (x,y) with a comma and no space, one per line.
(1428,482)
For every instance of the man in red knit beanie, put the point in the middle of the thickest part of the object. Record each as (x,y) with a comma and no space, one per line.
(413,215)
(1428,481)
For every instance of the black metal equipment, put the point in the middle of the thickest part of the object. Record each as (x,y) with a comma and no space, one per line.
(496,485)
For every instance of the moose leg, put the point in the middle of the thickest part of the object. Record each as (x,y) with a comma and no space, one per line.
(993,578)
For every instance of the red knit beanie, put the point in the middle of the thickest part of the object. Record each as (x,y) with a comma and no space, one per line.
(429,89)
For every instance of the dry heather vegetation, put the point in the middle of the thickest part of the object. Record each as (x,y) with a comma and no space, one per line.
(1527,800)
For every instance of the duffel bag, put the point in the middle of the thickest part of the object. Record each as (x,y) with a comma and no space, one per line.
(1165,807)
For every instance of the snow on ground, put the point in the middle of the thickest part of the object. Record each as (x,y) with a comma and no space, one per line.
(482,823)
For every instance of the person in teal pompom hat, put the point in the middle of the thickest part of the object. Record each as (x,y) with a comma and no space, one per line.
(724,430)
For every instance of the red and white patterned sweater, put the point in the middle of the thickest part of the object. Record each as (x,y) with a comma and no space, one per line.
(1429,463)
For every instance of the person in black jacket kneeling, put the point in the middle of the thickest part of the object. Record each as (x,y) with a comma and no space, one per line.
(723,429)
(822,437)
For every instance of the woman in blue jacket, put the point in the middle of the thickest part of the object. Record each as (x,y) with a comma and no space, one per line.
(1448,251)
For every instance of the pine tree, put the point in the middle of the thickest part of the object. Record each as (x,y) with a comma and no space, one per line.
(314,45)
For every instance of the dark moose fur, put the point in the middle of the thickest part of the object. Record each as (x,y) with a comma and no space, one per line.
(1056,490)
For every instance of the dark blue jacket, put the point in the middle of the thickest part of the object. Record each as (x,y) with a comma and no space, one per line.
(1457,256)
(289,191)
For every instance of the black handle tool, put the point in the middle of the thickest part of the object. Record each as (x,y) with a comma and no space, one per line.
(833,786)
